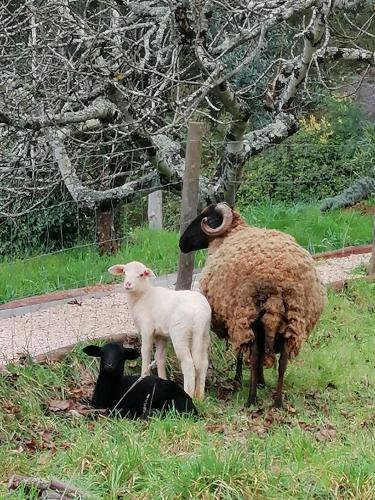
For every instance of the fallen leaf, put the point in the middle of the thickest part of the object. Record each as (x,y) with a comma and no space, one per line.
(74,302)
(59,404)
(307,427)
(260,430)
(9,407)
(219,428)
(29,446)
(76,392)
(46,440)
(325,434)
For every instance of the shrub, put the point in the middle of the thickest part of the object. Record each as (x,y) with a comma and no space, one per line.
(53,226)
(332,149)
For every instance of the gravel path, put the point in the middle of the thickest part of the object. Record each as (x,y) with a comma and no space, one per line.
(49,326)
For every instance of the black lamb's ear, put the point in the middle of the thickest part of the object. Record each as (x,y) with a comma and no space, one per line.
(93,350)
(130,353)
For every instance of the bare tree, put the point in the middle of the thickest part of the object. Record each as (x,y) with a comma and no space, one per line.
(97,94)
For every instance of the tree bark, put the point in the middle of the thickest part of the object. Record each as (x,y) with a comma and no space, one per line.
(108,230)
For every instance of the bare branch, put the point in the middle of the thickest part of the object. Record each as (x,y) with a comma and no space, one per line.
(347,54)
(89,197)
(100,109)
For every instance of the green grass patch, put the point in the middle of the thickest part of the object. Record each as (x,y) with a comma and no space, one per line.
(314,230)
(320,447)
(159,249)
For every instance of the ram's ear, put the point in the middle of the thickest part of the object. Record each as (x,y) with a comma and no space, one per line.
(130,353)
(93,350)
(117,269)
(148,273)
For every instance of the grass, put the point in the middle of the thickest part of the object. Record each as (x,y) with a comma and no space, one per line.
(314,230)
(159,249)
(322,446)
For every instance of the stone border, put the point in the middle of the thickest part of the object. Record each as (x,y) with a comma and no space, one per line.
(106,289)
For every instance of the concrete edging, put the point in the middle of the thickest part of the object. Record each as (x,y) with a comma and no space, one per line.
(343,252)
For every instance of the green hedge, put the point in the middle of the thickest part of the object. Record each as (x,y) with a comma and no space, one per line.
(331,150)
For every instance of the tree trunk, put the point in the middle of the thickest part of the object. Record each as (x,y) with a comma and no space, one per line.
(361,189)
(109,230)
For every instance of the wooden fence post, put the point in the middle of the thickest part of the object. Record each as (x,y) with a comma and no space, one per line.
(155,210)
(189,203)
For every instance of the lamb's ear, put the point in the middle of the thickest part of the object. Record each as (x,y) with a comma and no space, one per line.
(148,273)
(130,353)
(117,269)
(93,350)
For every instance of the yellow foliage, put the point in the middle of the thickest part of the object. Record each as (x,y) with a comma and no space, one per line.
(321,126)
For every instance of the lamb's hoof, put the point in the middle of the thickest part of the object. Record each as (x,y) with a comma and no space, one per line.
(198,396)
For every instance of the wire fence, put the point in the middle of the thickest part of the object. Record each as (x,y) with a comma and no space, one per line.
(54,247)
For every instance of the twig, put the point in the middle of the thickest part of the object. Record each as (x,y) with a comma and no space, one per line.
(50,489)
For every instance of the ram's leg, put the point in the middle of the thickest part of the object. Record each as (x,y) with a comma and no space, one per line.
(283,362)
(272,320)
(239,365)
(254,369)
(260,375)
(160,356)
(146,352)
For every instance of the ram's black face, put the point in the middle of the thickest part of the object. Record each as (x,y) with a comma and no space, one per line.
(194,238)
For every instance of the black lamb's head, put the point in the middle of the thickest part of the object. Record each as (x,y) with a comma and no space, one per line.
(112,357)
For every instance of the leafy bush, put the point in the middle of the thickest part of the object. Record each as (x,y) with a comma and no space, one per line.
(332,149)
(55,225)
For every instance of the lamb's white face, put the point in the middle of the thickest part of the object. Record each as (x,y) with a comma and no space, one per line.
(136,275)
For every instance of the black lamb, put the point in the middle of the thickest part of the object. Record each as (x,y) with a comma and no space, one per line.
(129,395)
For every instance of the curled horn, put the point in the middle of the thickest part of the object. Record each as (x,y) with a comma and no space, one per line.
(226,212)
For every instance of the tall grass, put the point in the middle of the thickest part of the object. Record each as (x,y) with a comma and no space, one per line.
(159,249)
(231,452)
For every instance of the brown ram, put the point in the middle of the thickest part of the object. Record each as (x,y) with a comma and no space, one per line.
(264,290)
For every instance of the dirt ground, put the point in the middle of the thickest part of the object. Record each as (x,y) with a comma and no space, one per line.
(55,325)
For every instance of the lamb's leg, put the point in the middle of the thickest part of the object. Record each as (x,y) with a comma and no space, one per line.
(146,352)
(200,357)
(160,343)
(254,369)
(187,365)
(283,361)
(239,364)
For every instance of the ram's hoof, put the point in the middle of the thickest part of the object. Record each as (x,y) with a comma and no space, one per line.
(252,401)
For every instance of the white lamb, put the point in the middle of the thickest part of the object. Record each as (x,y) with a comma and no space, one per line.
(159,313)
